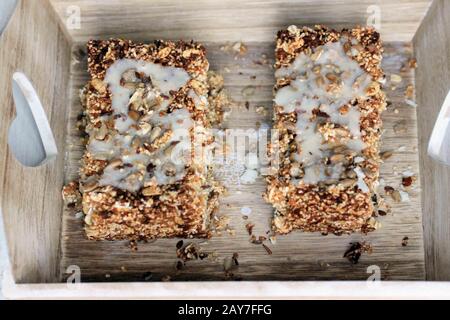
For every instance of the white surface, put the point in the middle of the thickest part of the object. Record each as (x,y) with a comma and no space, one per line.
(232,290)
(6,8)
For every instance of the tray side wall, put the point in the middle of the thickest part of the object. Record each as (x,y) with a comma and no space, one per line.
(432,49)
(31,197)
(232,20)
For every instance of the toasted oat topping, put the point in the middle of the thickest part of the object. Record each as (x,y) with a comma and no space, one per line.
(144,105)
(328,105)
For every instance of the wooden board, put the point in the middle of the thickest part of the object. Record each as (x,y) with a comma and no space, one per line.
(233,20)
(297,256)
(30,197)
(432,47)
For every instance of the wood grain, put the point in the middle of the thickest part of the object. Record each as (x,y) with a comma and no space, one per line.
(298,256)
(233,20)
(432,48)
(30,197)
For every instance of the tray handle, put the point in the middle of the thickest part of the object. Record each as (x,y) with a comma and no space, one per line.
(30,137)
(439,144)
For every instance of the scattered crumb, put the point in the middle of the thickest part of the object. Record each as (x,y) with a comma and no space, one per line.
(246,211)
(412,63)
(166,278)
(409,92)
(71,194)
(396,196)
(386,155)
(248,91)
(240,48)
(227,264)
(79,215)
(261,110)
(400,127)
(235,258)
(133,245)
(411,103)
(395,78)
(356,249)
(179,265)
(220,223)
(273,239)
(249,176)
(407,181)
(147,276)
(249,226)
(267,249)
(405,241)
(187,252)
(404,196)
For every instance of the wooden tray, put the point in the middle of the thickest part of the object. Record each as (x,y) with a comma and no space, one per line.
(43,240)
(297,256)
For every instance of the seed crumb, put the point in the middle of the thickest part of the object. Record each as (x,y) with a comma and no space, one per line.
(405,241)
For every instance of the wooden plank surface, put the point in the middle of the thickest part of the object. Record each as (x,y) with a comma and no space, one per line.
(233,20)
(432,47)
(30,197)
(298,255)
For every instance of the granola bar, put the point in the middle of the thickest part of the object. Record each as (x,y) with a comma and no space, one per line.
(145,172)
(328,104)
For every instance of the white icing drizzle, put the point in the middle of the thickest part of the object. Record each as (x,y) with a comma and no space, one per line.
(311,77)
(133,174)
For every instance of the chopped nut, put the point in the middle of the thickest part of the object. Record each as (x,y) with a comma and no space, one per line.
(116,163)
(164,52)
(144,128)
(317,54)
(151,191)
(136,100)
(101,132)
(336,158)
(134,115)
(90,186)
(98,85)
